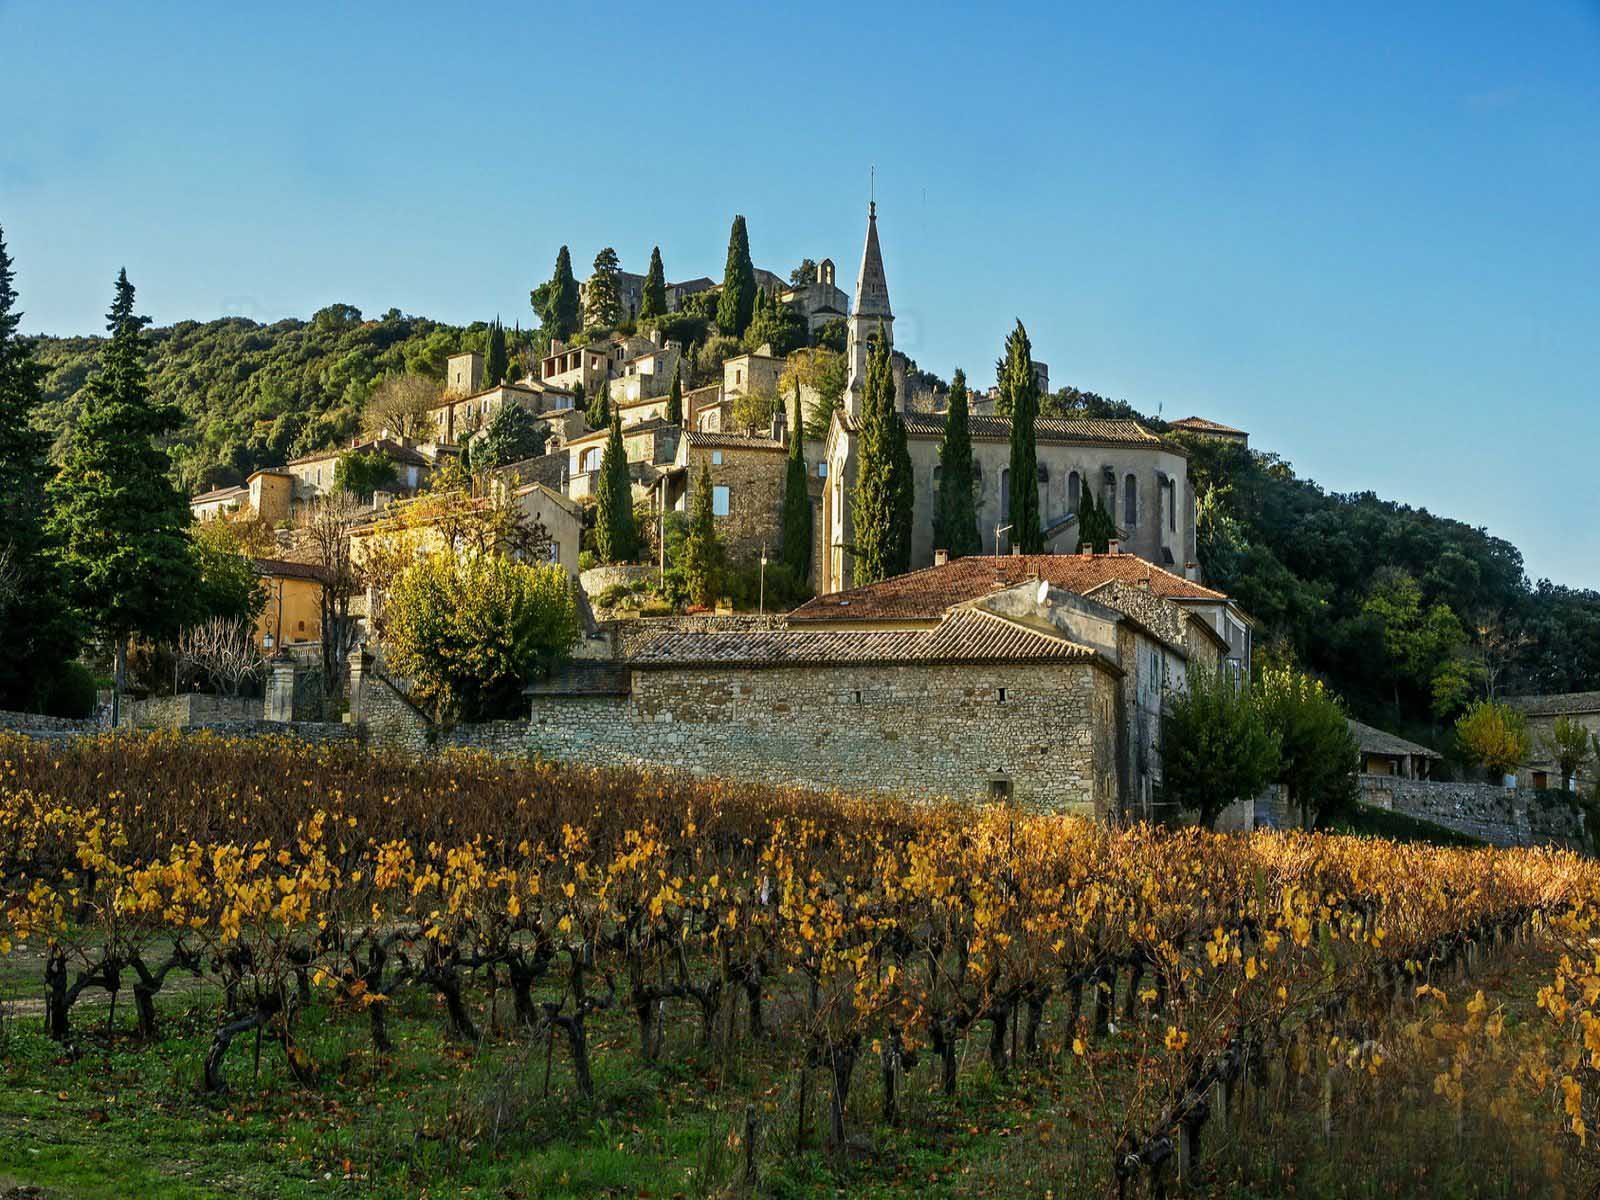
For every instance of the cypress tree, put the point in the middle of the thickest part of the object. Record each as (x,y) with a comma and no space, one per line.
(39,631)
(602,302)
(1095,526)
(615,537)
(955,518)
(118,523)
(797,502)
(702,556)
(599,410)
(880,508)
(1020,390)
(496,363)
(653,304)
(736,305)
(675,396)
(561,319)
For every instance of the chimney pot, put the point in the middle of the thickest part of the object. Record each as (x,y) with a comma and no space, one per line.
(1016,550)
(1114,546)
(941,557)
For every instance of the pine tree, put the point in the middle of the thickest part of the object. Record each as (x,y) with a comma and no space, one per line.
(955,519)
(702,555)
(1095,526)
(560,315)
(512,436)
(1019,389)
(675,396)
(737,302)
(880,508)
(496,363)
(599,409)
(797,501)
(616,539)
(40,636)
(653,304)
(602,300)
(118,523)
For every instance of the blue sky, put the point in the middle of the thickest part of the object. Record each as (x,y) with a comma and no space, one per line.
(1369,236)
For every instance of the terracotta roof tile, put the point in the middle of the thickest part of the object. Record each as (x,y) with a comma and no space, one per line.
(1201,425)
(219,494)
(732,441)
(1047,429)
(1556,705)
(924,595)
(283,568)
(963,636)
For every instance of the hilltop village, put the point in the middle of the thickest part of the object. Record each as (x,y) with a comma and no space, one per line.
(841,615)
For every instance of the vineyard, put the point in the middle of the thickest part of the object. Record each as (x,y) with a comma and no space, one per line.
(259,968)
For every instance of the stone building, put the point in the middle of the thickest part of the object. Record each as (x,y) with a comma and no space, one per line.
(1541,769)
(651,447)
(747,478)
(818,300)
(1200,427)
(1166,602)
(267,494)
(292,615)
(1138,476)
(1383,753)
(313,474)
(629,366)
(1029,693)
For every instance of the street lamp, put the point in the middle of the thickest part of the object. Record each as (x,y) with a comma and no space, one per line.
(762,602)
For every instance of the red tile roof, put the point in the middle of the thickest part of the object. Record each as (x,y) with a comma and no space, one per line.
(219,494)
(1085,430)
(733,441)
(965,636)
(1201,425)
(283,568)
(925,595)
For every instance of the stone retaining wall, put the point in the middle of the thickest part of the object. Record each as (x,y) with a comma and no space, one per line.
(21,722)
(189,710)
(630,634)
(1497,815)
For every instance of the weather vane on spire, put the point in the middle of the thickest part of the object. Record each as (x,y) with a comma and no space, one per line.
(872,190)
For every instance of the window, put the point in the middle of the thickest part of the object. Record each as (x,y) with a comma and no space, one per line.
(1541,779)
(1044,474)
(1172,505)
(1000,789)
(716,458)
(858,697)
(822,470)
(1002,695)
(719,501)
(1130,501)
(554,552)
(1074,491)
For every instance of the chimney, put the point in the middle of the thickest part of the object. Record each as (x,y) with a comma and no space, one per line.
(941,557)
(1114,546)
(1016,550)
(1191,572)
(1087,551)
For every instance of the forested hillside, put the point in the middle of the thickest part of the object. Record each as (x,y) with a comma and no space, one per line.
(1407,614)
(255,395)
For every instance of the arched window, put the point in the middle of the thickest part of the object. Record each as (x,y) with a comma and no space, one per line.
(1130,501)
(1074,491)
(1044,474)
(1172,505)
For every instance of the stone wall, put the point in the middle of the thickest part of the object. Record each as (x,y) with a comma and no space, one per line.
(916,730)
(597,579)
(754,479)
(22,722)
(1497,815)
(188,710)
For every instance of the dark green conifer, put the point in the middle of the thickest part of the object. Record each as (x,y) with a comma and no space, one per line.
(797,501)
(736,305)
(1020,390)
(616,538)
(653,303)
(955,520)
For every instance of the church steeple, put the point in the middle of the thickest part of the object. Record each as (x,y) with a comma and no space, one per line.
(870,316)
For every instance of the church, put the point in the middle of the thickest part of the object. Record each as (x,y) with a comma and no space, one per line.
(1139,477)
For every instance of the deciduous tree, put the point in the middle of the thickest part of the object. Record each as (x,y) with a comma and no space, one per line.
(1318,758)
(1215,746)
(1494,736)
(402,405)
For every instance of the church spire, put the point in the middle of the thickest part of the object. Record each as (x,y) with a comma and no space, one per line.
(870,316)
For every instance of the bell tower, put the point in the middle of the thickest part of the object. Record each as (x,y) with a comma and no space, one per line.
(870,315)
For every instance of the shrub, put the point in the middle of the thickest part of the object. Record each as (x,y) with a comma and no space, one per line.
(1216,747)
(70,693)
(469,632)
(1493,736)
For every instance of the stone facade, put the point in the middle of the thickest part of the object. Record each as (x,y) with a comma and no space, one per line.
(1541,769)
(750,473)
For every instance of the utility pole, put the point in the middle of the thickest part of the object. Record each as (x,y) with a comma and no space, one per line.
(762,601)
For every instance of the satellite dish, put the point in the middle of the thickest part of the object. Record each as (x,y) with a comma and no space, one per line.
(1044,591)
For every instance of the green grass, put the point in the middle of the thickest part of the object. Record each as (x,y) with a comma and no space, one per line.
(123,1118)
(1401,827)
